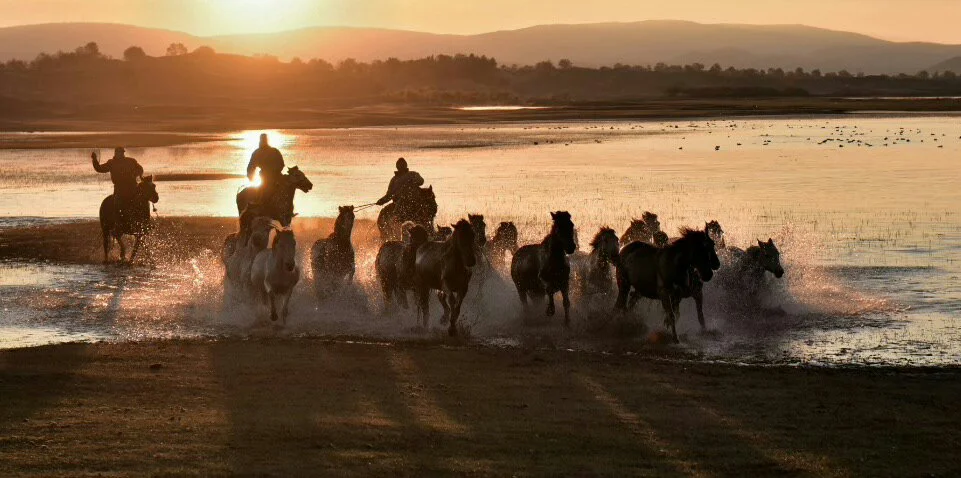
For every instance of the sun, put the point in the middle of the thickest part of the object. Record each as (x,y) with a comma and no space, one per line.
(260,16)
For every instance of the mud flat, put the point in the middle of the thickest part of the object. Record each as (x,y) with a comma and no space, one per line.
(337,408)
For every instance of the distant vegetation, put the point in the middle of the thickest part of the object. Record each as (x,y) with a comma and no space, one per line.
(204,77)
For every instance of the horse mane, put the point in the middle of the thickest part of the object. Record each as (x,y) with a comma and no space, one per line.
(603,231)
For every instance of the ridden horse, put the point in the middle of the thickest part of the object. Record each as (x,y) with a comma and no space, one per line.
(594,270)
(395,264)
(642,229)
(419,206)
(446,268)
(667,273)
(135,221)
(539,269)
(274,273)
(280,205)
(332,259)
(504,241)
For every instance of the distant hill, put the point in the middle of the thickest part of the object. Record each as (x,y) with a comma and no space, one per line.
(648,42)
(951,64)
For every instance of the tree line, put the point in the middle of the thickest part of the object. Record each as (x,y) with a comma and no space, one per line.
(203,76)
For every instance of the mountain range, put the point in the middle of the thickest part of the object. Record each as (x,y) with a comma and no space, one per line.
(598,44)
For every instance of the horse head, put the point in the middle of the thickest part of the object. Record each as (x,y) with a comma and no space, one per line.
(563,229)
(651,222)
(606,244)
(464,241)
(701,248)
(770,257)
(660,239)
(480,228)
(148,189)
(298,179)
(443,233)
(714,230)
(345,220)
(283,244)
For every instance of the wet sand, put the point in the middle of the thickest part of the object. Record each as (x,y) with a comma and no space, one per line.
(106,141)
(332,408)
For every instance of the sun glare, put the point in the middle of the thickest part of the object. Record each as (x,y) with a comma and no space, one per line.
(259,16)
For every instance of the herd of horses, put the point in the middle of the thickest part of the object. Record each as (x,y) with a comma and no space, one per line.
(418,257)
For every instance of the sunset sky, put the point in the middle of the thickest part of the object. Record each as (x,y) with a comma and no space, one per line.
(901,20)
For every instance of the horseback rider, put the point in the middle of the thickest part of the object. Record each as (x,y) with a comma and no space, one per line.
(271,164)
(402,184)
(124,172)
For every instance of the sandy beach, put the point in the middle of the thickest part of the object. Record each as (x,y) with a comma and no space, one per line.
(335,408)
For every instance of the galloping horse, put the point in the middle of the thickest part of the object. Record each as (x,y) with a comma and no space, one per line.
(274,272)
(668,273)
(332,259)
(395,264)
(595,270)
(280,206)
(504,241)
(642,229)
(539,269)
(747,271)
(419,207)
(134,222)
(446,268)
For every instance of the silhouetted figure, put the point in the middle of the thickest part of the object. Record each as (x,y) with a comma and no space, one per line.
(271,164)
(402,185)
(124,172)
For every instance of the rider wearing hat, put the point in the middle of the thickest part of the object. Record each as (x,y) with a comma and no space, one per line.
(402,183)
(271,164)
(124,172)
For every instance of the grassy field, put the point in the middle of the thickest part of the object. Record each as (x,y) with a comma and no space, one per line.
(326,408)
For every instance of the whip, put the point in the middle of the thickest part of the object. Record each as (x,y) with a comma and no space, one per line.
(365,206)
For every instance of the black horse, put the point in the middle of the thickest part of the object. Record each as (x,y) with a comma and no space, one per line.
(332,259)
(280,206)
(539,269)
(669,273)
(135,221)
(419,207)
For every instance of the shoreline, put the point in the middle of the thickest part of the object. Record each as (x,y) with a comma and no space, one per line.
(306,406)
(78,129)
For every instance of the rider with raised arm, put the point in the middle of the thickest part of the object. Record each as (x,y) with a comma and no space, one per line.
(124,172)
(271,164)
(401,185)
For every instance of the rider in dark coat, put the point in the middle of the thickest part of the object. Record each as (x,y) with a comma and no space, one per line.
(401,185)
(271,164)
(124,172)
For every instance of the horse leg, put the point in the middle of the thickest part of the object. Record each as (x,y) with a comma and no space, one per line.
(677,315)
(443,297)
(456,300)
(523,295)
(698,294)
(270,304)
(423,304)
(136,247)
(388,289)
(123,249)
(668,303)
(284,312)
(106,246)
(623,290)
(566,300)
(550,303)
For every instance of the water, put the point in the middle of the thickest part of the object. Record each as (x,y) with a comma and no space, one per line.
(865,209)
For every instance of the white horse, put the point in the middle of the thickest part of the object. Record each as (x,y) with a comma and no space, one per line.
(275,273)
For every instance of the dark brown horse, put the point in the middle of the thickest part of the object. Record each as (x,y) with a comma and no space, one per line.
(332,259)
(642,229)
(503,242)
(135,221)
(395,265)
(539,269)
(419,207)
(595,270)
(669,273)
(446,268)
